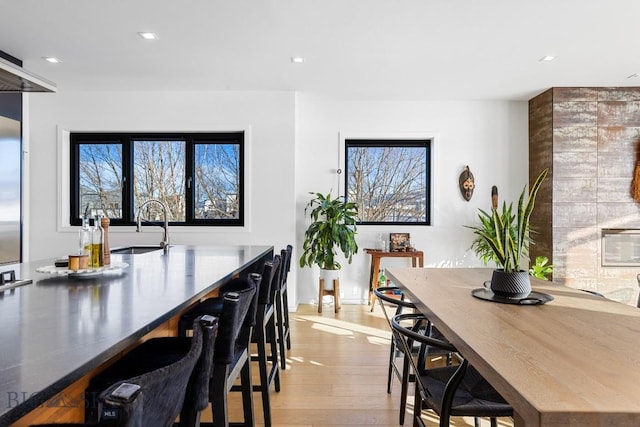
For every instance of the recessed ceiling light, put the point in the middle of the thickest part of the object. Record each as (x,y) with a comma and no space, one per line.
(148,36)
(547,58)
(52,59)
(633,76)
(297,59)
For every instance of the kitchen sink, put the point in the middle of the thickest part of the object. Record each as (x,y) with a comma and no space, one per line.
(136,249)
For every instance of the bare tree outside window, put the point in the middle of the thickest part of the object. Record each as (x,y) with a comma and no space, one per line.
(217,180)
(388,180)
(158,173)
(100,168)
(198,176)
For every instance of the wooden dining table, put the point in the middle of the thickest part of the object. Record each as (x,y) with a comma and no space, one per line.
(573,361)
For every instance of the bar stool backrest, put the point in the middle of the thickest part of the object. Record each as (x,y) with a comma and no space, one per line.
(239,300)
(268,285)
(285,254)
(162,391)
(198,390)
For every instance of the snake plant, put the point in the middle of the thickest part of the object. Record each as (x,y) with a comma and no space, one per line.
(503,236)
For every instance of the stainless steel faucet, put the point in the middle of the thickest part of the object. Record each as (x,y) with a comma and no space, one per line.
(164,244)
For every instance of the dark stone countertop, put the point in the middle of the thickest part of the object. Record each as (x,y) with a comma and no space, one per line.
(56,329)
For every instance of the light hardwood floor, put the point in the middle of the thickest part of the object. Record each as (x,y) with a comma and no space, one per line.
(337,372)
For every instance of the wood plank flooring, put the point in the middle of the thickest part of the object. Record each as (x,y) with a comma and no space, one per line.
(337,374)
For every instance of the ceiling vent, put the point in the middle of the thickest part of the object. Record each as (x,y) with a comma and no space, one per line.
(16,79)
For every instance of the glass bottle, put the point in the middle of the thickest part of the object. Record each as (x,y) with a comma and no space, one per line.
(382,281)
(97,256)
(84,239)
(379,243)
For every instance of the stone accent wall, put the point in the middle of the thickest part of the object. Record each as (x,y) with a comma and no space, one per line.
(589,138)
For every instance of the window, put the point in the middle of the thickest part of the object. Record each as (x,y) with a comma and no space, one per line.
(389,180)
(198,176)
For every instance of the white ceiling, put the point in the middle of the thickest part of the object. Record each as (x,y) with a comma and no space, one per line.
(389,49)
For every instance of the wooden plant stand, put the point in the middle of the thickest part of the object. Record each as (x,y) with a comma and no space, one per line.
(335,292)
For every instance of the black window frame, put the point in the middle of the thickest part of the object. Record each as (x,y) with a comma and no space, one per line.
(393,142)
(126,139)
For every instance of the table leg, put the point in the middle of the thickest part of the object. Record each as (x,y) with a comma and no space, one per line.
(371,275)
(375,266)
(518,421)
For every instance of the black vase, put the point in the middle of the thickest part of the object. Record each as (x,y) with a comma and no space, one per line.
(510,285)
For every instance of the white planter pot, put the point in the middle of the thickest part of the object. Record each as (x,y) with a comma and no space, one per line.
(328,276)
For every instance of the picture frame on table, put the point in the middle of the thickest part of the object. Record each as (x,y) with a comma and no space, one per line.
(399,241)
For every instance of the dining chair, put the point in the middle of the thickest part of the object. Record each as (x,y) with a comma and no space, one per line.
(391,297)
(282,307)
(155,382)
(451,390)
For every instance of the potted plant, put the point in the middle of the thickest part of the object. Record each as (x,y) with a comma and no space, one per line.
(503,237)
(333,227)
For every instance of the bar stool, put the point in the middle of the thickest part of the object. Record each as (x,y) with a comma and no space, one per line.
(265,336)
(156,381)
(282,307)
(264,333)
(216,306)
(231,358)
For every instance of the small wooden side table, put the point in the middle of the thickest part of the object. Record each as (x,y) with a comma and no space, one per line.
(417,260)
(335,292)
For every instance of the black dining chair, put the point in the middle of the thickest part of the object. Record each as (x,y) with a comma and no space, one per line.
(282,307)
(451,390)
(391,297)
(155,382)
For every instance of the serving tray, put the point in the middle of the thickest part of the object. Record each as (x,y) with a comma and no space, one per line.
(534,297)
(114,267)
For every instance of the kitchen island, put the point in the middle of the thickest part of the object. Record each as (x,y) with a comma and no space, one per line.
(58,329)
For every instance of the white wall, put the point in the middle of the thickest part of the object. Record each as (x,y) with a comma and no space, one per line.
(269,117)
(294,149)
(491,137)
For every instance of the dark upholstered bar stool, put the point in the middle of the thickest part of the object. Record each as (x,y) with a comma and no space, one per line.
(149,384)
(231,358)
(282,306)
(265,336)
(264,333)
(236,309)
(450,390)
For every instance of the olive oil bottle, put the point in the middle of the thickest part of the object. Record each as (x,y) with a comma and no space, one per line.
(97,256)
